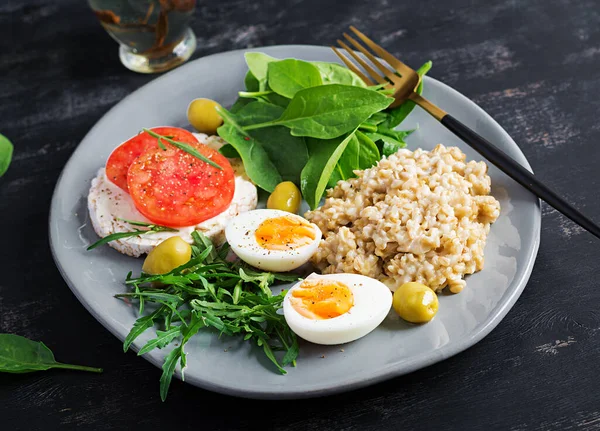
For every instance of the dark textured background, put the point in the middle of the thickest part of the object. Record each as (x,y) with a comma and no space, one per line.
(533,65)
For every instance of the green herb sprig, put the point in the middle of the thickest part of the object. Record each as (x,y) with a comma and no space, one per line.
(21,355)
(211,292)
(137,232)
(182,146)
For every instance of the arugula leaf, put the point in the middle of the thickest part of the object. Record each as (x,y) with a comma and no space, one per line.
(328,111)
(157,296)
(168,369)
(333,73)
(21,355)
(398,114)
(257,163)
(287,77)
(269,353)
(6,152)
(163,338)
(237,293)
(263,280)
(291,354)
(323,157)
(212,292)
(190,330)
(258,64)
(140,326)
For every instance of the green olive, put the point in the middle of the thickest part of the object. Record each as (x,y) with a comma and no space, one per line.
(285,197)
(415,302)
(167,255)
(203,116)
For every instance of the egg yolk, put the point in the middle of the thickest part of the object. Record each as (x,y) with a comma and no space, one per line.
(284,233)
(322,299)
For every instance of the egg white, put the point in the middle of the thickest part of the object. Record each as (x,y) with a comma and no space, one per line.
(372,303)
(240,233)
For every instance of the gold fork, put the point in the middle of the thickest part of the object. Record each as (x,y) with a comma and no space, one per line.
(404,81)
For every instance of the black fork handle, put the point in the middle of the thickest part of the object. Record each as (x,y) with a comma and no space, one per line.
(517,172)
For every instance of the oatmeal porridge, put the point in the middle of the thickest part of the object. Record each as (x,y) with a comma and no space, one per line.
(416,216)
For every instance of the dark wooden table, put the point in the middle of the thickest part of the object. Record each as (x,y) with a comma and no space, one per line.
(533,65)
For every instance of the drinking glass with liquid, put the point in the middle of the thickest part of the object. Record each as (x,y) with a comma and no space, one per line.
(154,35)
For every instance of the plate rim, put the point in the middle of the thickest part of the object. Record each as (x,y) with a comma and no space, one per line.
(391,371)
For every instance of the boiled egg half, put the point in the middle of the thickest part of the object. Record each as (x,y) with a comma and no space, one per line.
(273,240)
(336,308)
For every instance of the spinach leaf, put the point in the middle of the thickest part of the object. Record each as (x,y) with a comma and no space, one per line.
(390,147)
(21,355)
(398,114)
(361,153)
(258,65)
(323,157)
(377,118)
(390,135)
(389,141)
(376,137)
(276,99)
(396,134)
(287,77)
(6,151)
(267,96)
(333,73)
(257,112)
(369,154)
(251,82)
(257,163)
(239,104)
(328,111)
(252,85)
(229,151)
(287,153)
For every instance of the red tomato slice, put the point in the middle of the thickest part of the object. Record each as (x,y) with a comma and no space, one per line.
(123,156)
(174,188)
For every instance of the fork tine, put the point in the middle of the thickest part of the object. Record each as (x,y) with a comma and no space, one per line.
(393,61)
(376,76)
(387,72)
(352,67)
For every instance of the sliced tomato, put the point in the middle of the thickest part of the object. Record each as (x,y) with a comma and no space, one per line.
(174,188)
(123,156)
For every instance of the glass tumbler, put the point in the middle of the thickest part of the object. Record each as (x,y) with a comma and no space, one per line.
(154,35)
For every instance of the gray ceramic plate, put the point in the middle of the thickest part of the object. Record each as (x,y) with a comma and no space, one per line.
(234,367)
